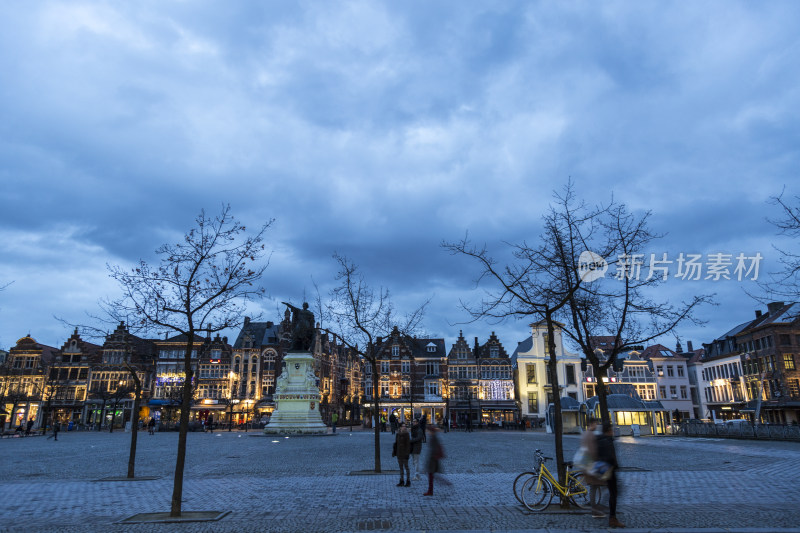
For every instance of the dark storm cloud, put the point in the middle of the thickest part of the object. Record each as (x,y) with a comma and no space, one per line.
(378,130)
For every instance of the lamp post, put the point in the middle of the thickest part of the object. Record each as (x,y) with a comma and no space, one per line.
(231,400)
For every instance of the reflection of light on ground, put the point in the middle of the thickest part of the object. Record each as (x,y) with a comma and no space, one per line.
(276,441)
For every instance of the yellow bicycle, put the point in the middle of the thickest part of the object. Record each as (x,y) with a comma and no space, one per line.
(539,489)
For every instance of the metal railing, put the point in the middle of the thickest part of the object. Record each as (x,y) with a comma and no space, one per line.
(742,431)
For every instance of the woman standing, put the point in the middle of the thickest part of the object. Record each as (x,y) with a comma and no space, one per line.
(402,448)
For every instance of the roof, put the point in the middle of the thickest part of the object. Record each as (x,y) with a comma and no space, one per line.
(262,333)
(524,346)
(623,402)
(658,350)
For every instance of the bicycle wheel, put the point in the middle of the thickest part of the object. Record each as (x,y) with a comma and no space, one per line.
(579,491)
(536,493)
(519,482)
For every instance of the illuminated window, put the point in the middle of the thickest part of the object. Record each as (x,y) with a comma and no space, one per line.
(788,361)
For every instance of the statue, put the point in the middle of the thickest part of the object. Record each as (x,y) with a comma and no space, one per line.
(302,327)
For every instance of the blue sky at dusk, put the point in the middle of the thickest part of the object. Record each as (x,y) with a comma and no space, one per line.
(380,129)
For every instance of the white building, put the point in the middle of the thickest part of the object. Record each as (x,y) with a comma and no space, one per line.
(531,378)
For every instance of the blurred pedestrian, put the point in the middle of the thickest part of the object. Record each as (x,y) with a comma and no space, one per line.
(423,422)
(334,419)
(416,446)
(584,459)
(393,422)
(402,448)
(151,426)
(435,455)
(28,427)
(607,454)
(210,423)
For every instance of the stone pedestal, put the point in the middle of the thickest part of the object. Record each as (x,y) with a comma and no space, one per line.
(297,399)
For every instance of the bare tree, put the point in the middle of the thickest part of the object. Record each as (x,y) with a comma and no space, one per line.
(621,306)
(785,283)
(532,285)
(201,283)
(362,315)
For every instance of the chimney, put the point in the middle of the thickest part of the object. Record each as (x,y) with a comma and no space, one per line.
(689,346)
(758,313)
(774,307)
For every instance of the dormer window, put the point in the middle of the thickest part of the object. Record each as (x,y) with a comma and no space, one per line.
(395,351)
(431,347)
(494,351)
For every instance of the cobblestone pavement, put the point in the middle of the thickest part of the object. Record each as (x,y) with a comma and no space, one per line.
(312,484)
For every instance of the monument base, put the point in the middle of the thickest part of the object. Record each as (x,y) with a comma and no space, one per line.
(297,399)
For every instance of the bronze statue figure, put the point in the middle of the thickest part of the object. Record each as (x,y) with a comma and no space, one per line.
(302,327)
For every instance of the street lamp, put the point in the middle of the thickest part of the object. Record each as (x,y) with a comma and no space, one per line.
(231,400)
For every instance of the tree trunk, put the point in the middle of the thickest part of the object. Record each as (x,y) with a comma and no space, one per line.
(558,429)
(134,425)
(113,414)
(177,487)
(377,415)
(602,394)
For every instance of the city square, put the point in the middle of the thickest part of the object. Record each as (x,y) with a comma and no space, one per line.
(323,483)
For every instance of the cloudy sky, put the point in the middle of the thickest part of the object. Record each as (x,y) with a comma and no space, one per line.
(379,129)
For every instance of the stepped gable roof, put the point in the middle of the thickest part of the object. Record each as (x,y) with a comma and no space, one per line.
(484,349)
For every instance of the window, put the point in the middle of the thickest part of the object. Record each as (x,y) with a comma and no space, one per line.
(461,354)
(384,367)
(663,392)
(673,391)
(433,388)
(670,371)
(784,340)
(395,351)
(385,389)
(533,402)
(570,374)
(680,371)
(788,361)
(494,351)
(431,347)
(794,388)
(405,367)
(660,370)
(432,368)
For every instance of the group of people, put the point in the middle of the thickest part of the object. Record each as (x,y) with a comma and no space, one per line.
(600,468)
(408,444)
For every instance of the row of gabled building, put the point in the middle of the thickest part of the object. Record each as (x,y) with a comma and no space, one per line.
(476,383)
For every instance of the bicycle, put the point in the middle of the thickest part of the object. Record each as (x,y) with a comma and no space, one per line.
(540,486)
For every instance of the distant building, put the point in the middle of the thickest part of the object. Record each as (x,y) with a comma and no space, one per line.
(534,390)
(672,381)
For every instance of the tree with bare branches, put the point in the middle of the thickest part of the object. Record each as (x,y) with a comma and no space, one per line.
(201,283)
(362,315)
(532,285)
(785,283)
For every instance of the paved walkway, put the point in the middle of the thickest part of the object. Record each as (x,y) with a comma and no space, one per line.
(306,484)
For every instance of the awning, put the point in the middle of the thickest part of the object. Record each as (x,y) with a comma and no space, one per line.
(162,402)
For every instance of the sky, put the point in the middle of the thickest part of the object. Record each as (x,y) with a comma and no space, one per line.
(380,129)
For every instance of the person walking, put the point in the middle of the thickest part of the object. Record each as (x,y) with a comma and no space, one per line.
(334,419)
(210,423)
(393,422)
(28,427)
(435,455)
(607,454)
(588,455)
(416,446)
(423,422)
(151,426)
(383,423)
(56,429)
(402,449)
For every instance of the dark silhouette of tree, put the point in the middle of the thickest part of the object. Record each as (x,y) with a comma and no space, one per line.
(361,315)
(201,283)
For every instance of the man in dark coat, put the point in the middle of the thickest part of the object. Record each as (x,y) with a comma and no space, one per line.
(435,455)
(423,422)
(393,422)
(607,454)
(416,446)
(402,448)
